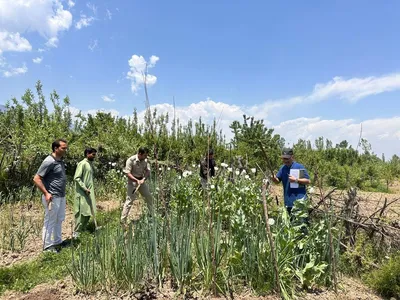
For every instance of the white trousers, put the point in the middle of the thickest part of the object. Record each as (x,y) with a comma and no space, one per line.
(51,234)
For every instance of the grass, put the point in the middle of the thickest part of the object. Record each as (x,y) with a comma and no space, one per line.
(24,276)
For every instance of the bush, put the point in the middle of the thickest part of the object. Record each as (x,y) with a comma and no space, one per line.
(386,280)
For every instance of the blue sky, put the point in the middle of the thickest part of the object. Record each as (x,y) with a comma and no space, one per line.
(308,68)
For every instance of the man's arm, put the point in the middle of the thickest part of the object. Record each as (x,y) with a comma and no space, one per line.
(277,178)
(78,178)
(127,170)
(39,183)
(147,174)
(303,181)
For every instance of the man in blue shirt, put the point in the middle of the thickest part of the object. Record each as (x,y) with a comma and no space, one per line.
(296,190)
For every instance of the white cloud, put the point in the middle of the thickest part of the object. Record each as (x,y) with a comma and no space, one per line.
(47,17)
(92,7)
(52,42)
(109,14)
(352,90)
(109,98)
(138,68)
(13,42)
(40,50)
(84,22)
(11,72)
(383,134)
(71,3)
(37,60)
(93,45)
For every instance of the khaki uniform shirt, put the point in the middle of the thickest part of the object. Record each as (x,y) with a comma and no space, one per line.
(136,167)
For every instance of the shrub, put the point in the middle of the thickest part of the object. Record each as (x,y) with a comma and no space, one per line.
(386,280)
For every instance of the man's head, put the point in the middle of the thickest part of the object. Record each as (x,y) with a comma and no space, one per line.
(142,153)
(90,153)
(287,156)
(59,147)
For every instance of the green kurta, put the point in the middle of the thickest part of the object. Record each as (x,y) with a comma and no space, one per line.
(84,181)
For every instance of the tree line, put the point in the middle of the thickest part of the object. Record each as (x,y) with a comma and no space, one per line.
(28,126)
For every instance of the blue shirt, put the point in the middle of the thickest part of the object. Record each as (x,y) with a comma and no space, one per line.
(291,194)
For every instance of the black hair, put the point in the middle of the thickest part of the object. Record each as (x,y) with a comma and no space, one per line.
(143,150)
(89,150)
(56,144)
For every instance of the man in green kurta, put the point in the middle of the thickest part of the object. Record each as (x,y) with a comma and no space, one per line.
(85,201)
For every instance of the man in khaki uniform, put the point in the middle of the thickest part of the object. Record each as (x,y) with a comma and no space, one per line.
(137,170)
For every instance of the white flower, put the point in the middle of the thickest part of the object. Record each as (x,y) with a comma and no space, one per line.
(311,190)
(198,166)
(271,221)
(190,173)
(6,169)
(265,181)
(247,177)
(216,168)
(224,165)
(253,170)
(237,172)
(169,169)
(186,173)
(114,164)
(243,172)
(179,177)
(159,169)
(212,186)
(229,169)
(194,166)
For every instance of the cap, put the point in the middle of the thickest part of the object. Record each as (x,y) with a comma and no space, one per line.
(287,152)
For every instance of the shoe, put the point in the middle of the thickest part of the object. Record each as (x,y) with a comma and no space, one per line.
(51,249)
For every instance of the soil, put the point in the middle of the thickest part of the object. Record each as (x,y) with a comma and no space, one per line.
(349,288)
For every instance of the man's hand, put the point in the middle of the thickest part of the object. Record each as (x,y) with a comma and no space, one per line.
(87,192)
(48,197)
(274,179)
(140,182)
(292,178)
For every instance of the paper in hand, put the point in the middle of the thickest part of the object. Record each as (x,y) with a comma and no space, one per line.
(295,173)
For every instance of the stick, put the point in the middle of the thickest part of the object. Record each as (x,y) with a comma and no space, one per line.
(137,188)
(266,158)
(271,241)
